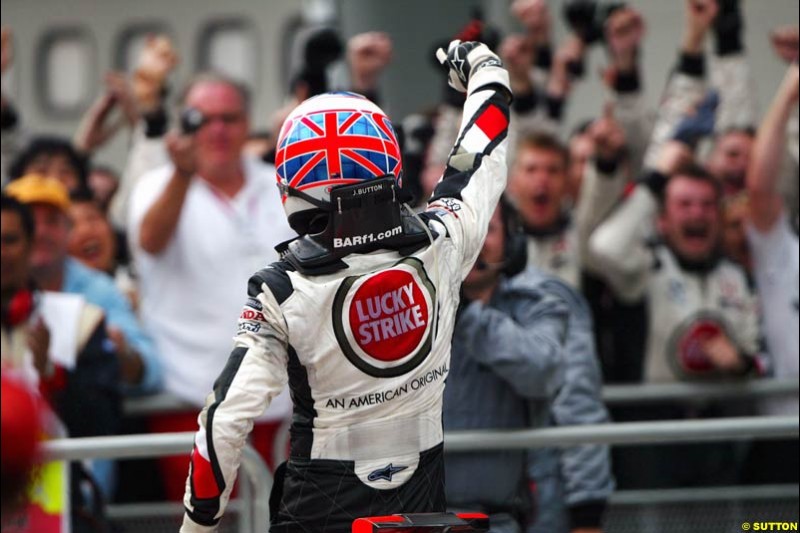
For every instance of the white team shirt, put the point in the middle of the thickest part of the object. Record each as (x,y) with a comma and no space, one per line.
(775,266)
(191,293)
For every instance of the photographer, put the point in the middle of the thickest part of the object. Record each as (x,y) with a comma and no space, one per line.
(199,226)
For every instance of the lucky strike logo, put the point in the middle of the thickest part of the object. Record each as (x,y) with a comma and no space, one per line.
(389,315)
(690,347)
(687,345)
(382,320)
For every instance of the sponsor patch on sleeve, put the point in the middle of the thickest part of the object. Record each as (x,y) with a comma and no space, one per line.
(252,317)
(445,206)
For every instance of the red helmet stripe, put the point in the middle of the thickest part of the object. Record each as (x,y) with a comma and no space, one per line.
(349,122)
(312,126)
(363,161)
(305,169)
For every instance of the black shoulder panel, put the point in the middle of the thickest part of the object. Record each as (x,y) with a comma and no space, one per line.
(452,185)
(277,279)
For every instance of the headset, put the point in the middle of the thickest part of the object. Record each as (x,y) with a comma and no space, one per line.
(515,249)
(516,246)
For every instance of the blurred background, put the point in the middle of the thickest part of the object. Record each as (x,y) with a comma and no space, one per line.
(64,48)
(615,102)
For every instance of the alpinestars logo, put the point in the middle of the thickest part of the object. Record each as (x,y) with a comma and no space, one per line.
(383,321)
(385,473)
(458,63)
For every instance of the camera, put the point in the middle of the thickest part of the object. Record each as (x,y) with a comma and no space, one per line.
(587,18)
(191,120)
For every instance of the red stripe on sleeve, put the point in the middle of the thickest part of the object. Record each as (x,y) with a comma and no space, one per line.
(204,485)
(492,122)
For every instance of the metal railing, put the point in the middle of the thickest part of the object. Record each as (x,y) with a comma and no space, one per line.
(694,392)
(700,510)
(619,433)
(628,433)
(705,494)
(612,394)
(256,518)
(256,491)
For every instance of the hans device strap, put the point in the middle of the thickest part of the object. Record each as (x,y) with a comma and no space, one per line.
(361,218)
(365,213)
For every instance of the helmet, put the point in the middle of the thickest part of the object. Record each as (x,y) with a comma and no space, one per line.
(22,433)
(329,140)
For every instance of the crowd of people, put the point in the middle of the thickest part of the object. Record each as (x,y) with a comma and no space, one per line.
(647,245)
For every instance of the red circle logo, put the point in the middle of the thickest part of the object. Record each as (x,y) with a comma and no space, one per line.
(389,315)
(382,320)
(692,355)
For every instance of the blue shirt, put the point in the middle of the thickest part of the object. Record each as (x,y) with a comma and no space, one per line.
(99,289)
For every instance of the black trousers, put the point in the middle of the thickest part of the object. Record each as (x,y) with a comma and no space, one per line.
(326,495)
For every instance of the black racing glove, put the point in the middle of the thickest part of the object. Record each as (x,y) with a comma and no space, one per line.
(471,66)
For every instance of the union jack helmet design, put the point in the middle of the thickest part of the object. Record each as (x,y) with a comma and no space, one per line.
(333,139)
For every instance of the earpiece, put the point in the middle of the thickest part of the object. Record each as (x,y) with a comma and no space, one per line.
(516,245)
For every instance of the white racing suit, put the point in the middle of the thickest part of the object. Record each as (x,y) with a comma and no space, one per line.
(365,350)
(684,306)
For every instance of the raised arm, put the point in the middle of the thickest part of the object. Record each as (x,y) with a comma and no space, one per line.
(161,220)
(147,152)
(604,180)
(618,248)
(624,32)
(730,71)
(476,171)
(687,85)
(768,154)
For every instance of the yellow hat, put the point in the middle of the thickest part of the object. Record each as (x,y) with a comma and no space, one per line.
(38,189)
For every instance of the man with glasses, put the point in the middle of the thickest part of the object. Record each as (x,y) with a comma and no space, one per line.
(199,227)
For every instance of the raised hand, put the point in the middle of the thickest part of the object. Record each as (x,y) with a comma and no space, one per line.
(624,31)
(7,43)
(535,16)
(154,64)
(786,42)
(517,55)
(117,85)
(368,54)
(608,135)
(183,153)
(699,17)
(567,62)
(97,126)
(464,60)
